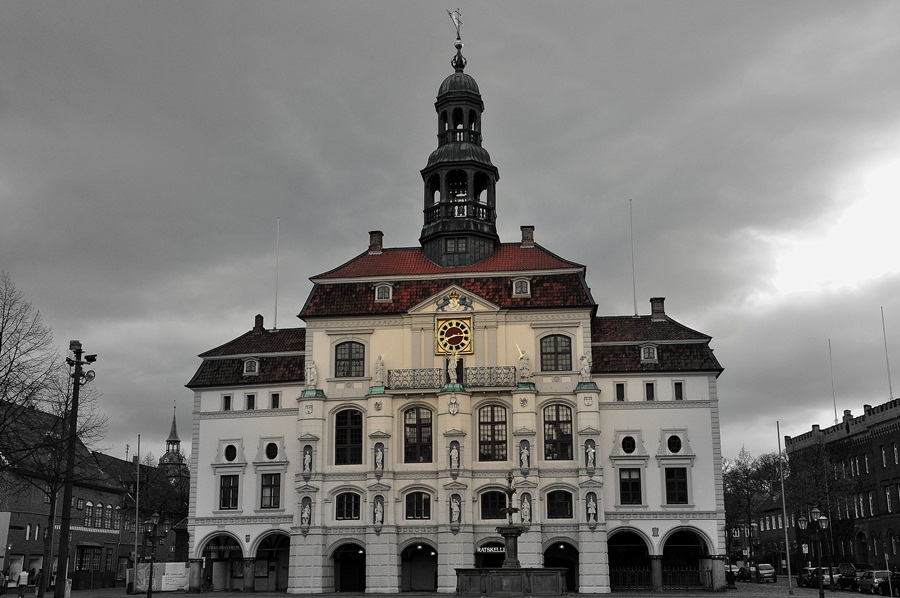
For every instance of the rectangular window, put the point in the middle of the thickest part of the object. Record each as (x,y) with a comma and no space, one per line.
(559,505)
(251,402)
(226,402)
(271,491)
(620,391)
(418,505)
(347,506)
(79,504)
(676,486)
(650,391)
(630,486)
(87,558)
(275,400)
(883,457)
(456,245)
(348,437)
(492,505)
(228,492)
(556,353)
(679,391)
(492,433)
(109,558)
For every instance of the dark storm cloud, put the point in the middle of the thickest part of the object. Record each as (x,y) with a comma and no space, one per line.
(146,150)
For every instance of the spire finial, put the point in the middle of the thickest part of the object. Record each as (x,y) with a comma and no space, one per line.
(458,62)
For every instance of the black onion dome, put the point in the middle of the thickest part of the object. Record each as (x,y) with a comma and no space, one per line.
(458,82)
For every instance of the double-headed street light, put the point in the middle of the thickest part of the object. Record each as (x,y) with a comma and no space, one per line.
(821,525)
(154,531)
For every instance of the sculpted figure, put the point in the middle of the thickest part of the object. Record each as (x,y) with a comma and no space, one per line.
(454,457)
(454,510)
(312,376)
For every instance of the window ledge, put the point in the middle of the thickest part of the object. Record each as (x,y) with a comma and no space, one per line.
(228,512)
(679,506)
(266,511)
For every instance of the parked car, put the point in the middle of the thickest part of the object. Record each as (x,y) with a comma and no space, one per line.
(804,576)
(746,573)
(828,575)
(870,580)
(889,586)
(765,572)
(850,574)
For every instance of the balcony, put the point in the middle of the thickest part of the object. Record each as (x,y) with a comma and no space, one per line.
(435,378)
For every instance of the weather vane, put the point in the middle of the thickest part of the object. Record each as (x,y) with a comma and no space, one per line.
(457,22)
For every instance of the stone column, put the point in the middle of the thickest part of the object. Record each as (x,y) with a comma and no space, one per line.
(249,572)
(656,579)
(195,576)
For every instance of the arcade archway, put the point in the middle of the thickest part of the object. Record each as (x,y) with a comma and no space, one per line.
(685,561)
(418,568)
(349,568)
(564,555)
(490,554)
(272,563)
(223,563)
(629,561)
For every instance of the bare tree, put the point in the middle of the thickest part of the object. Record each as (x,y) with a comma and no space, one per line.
(28,360)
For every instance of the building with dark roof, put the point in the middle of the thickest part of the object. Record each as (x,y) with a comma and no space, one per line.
(369,449)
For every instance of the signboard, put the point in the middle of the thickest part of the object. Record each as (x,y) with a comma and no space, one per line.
(491,549)
(806,549)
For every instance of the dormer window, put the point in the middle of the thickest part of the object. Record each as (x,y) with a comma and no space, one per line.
(648,354)
(521,287)
(384,292)
(251,367)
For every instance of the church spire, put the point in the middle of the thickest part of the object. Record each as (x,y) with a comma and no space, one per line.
(460,215)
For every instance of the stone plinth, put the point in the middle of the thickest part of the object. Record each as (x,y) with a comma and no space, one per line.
(548,581)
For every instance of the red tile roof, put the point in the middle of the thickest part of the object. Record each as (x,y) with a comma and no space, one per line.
(411,261)
(350,299)
(265,341)
(230,372)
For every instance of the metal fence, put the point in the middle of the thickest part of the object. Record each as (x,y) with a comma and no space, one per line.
(640,578)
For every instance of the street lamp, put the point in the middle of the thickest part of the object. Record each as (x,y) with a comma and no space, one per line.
(153,531)
(821,525)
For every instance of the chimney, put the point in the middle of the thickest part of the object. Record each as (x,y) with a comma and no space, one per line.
(376,237)
(258,324)
(657,309)
(527,236)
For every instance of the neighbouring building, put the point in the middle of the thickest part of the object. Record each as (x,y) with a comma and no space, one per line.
(866,450)
(369,450)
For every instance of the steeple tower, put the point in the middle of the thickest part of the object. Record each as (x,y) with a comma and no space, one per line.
(172,462)
(460,180)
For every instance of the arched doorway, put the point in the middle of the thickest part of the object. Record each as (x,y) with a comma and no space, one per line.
(272,560)
(418,568)
(564,555)
(629,561)
(349,568)
(682,561)
(490,554)
(223,563)
(862,548)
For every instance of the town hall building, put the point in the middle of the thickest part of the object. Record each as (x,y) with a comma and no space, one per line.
(369,450)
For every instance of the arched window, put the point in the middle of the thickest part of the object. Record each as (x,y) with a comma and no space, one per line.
(109,519)
(117,522)
(556,353)
(347,506)
(417,434)
(418,505)
(492,505)
(88,514)
(492,433)
(559,505)
(557,433)
(348,437)
(349,360)
(98,516)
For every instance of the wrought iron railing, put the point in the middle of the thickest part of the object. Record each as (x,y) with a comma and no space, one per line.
(467,208)
(621,578)
(686,578)
(504,375)
(433,378)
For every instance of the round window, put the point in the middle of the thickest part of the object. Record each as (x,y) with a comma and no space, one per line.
(628,445)
(230,452)
(271,450)
(674,444)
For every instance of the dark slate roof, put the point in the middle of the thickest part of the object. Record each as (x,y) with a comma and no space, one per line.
(230,372)
(617,344)
(411,261)
(351,299)
(258,342)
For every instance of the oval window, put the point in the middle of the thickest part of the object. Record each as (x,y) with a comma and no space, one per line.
(271,450)
(628,445)
(230,452)
(674,444)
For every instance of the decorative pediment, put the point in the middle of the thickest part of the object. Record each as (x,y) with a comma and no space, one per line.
(307,489)
(454,299)
(378,487)
(524,432)
(591,484)
(526,484)
(454,433)
(589,431)
(455,486)
(307,437)
(379,434)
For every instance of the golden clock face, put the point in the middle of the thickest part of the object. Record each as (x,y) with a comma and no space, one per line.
(454,335)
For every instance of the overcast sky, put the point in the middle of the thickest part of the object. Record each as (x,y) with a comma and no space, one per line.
(147,148)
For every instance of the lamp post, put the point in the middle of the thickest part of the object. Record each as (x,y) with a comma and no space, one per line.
(153,531)
(821,525)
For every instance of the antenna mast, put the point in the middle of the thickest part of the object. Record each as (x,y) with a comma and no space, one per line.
(277,232)
(831,368)
(633,278)
(888,361)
